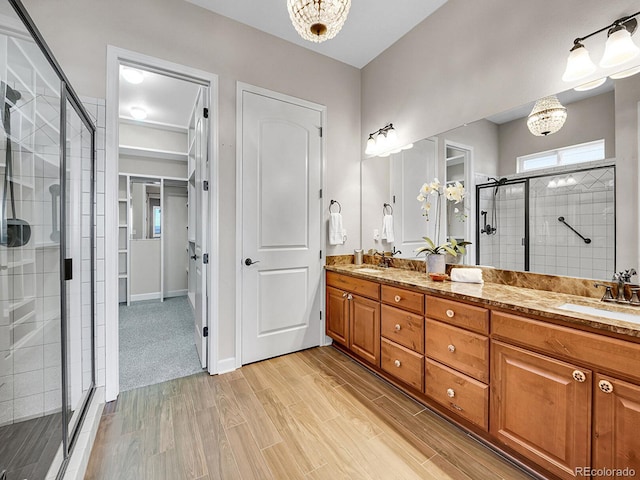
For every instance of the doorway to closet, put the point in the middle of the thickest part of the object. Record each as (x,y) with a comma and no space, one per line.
(162,224)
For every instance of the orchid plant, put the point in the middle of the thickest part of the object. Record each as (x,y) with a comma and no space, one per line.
(433,192)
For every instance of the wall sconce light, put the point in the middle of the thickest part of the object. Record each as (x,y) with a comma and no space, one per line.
(384,142)
(547,116)
(619,49)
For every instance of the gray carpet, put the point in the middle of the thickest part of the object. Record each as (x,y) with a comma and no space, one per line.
(156,342)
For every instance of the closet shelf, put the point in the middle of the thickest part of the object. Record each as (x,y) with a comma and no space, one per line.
(123,275)
(122,250)
(152,153)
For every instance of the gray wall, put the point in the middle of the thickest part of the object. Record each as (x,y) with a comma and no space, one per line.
(466,62)
(483,137)
(78,32)
(587,120)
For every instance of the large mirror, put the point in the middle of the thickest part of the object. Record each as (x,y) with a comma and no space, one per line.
(146,208)
(544,204)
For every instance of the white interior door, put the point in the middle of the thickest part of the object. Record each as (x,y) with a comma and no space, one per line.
(281,223)
(201,223)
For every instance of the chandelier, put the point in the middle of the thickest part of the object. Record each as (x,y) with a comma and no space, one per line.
(547,117)
(318,20)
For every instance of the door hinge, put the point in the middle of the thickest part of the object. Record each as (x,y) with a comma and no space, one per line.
(205,112)
(205,185)
(394,199)
(320,314)
(320,129)
(205,258)
(205,331)
(320,253)
(68,268)
(320,193)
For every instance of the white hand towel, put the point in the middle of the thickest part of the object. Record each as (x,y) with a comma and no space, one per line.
(335,229)
(387,228)
(466,275)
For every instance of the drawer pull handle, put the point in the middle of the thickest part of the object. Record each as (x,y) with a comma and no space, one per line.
(579,376)
(397,363)
(451,348)
(397,298)
(451,392)
(456,407)
(398,327)
(450,313)
(605,386)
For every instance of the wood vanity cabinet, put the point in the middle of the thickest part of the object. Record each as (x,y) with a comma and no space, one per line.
(352,319)
(616,424)
(541,408)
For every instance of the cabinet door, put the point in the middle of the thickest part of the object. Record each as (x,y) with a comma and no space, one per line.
(337,323)
(365,329)
(616,443)
(541,408)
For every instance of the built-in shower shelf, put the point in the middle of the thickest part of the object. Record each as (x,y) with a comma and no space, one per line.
(24,318)
(45,245)
(16,305)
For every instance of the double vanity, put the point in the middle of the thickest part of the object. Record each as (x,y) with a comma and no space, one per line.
(550,379)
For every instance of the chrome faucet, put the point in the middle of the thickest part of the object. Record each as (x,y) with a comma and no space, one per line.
(622,278)
(385,258)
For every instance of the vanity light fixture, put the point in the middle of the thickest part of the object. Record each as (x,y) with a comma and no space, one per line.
(619,49)
(547,117)
(132,75)
(318,20)
(591,85)
(384,142)
(138,113)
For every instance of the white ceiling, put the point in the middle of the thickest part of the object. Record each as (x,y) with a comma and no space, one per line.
(167,100)
(372,26)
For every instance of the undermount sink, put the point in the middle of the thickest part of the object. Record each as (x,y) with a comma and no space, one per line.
(369,270)
(599,312)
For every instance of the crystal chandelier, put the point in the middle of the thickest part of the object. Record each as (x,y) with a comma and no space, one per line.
(318,20)
(547,117)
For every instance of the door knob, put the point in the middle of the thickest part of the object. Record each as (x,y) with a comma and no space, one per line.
(248,262)
(194,257)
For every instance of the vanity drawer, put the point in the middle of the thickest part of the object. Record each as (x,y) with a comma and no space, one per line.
(608,353)
(459,349)
(402,363)
(354,285)
(405,299)
(403,327)
(457,392)
(459,314)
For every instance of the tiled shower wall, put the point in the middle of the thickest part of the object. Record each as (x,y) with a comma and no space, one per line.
(96,109)
(587,202)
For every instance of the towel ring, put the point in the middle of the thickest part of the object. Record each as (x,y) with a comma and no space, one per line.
(385,207)
(336,202)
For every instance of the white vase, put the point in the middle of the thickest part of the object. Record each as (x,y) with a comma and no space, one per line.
(436,263)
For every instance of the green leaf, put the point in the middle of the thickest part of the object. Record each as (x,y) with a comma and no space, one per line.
(429,242)
(449,250)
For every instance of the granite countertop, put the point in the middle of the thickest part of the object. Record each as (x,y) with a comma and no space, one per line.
(517,299)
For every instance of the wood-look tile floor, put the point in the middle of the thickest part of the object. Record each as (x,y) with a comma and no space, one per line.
(314,414)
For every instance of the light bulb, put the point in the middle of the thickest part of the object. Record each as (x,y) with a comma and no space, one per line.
(138,113)
(392,137)
(619,48)
(381,142)
(579,64)
(132,75)
(407,146)
(371,146)
(552,184)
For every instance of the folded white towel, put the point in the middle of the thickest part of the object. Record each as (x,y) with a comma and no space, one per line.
(466,275)
(336,236)
(387,228)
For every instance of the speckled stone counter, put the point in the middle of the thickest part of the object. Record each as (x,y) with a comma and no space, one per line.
(518,299)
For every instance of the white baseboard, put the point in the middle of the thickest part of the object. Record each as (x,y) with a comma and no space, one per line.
(176,293)
(227,365)
(145,296)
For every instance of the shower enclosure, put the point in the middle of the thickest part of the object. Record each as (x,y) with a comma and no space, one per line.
(560,223)
(46,255)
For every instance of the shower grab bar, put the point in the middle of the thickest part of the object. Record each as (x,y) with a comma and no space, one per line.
(585,239)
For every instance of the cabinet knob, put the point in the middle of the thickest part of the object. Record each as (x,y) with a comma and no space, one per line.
(450,313)
(451,348)
(397,363)
(579,376)
(451,392)
(398,327)
(344,294)
(397,298)
(349,297)
(605,386)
